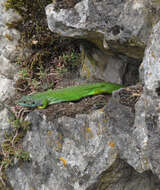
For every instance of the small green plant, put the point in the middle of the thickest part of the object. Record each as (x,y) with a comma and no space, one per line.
(11,149)
(35,84)
(24,73)
(21,155)
(71,60)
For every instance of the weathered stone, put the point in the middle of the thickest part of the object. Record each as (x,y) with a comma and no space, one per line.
(68,154)
(121,26)
(114,27)
(7,89)
(122,176)
(121,127)
(5,123)
(7,69)
(81,153)
(97,64)
(117,69)
(9,37)
(9,52)
(148,108)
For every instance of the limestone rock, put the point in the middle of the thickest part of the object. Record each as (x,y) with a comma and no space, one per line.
(114,28)
(68,154)
(148,108)
(5,121)
(97,64)
(7,89)
(105,22)
(8,52)
(80,153)
(8,37)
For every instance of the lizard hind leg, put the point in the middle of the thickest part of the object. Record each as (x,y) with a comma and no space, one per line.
(44,104)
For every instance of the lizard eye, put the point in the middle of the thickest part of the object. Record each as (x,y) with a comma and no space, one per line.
(24,102)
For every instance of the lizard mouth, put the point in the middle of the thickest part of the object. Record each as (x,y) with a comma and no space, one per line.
(25,105)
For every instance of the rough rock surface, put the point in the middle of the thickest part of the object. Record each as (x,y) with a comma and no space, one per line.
(115,20)
(5,122)
(8,52)
(97,64)
(148,108)
(113,68)
(115,27)
(138,139)
(68,154)
(8,37)
(121,127)
(75,153)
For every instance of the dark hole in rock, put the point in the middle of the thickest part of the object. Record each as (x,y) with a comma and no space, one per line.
(158,90)
(116,29)
(131,76)
(151,122)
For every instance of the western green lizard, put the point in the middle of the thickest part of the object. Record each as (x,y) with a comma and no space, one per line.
(73,93)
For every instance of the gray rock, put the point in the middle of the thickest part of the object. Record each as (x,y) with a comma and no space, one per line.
(147,110)
(122,176)
(8,37)
(97,64)
(80,154)
(5,122)
(121,127)
(68,154)
(112,68)
(129,28)
(149,70)
(116,25)
(9,52)
(7,89)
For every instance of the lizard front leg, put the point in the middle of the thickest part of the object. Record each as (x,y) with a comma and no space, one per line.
(44,104)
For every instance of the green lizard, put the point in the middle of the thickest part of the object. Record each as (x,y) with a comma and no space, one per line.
(73,93)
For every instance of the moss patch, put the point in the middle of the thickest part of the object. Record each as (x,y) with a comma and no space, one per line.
(11,149)
(51,56)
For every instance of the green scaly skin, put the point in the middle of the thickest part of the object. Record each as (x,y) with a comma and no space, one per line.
(73,93)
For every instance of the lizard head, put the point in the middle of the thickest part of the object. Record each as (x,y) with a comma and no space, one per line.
(29,101)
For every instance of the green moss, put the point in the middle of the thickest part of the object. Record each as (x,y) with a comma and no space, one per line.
(156,1)
(50,52)
(11,149)
(132,48)
(34,29)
